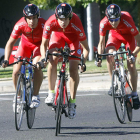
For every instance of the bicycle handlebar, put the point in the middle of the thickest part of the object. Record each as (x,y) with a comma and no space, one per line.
(115,53)
(66,52)
(19,59)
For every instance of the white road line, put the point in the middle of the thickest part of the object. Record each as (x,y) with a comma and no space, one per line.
(89,94)
(7,94)
(6,99)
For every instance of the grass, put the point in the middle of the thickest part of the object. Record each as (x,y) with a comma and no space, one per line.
(91,68)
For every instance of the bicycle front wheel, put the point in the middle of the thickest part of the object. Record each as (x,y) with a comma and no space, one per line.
(19,102)
(118,96)
(59,106)
(30,112)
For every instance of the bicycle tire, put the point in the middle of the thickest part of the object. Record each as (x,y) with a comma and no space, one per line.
(129,103)
(19,105)
(30,112)
(118,97)
(59,106)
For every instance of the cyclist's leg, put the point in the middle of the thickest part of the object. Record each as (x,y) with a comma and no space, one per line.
(23,51)
(73,84)
(133,72)
(74,76)
(113,44)
(15,73)
(37,76)
(16,68)
(56,41)
(133,76)
(110,60)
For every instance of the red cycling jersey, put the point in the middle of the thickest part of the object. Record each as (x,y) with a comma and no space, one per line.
(31,35)
(75,26)
(30,38)
(124,33)
(72,34)
(126,25)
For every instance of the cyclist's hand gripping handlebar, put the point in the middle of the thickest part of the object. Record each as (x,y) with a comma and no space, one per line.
(43,63)
(5,63)
(131,57)
(98,60)
(82,66)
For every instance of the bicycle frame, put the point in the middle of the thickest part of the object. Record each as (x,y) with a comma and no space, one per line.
(119,66)
(62,73)
(23,73)
(62,102)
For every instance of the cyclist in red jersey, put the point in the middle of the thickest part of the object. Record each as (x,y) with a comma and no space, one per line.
(31,27)
(64,26)
(122,30)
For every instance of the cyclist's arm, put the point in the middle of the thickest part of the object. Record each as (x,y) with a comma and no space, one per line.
(9,46)
(44,46)
(85,47)
(137,49)
(101,44)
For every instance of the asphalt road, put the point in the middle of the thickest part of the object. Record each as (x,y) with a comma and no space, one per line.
(95,120)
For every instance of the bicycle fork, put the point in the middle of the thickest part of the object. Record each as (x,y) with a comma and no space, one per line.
(65,97)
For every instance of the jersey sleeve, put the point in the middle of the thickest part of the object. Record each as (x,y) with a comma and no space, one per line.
(48,27)
(77,26)
(103,26)
(81,33)
(16,31)
(128,21)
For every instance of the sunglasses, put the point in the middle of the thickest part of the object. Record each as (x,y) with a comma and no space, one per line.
(116,19)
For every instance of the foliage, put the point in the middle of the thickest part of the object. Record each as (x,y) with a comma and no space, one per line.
(51,4)
(126,5)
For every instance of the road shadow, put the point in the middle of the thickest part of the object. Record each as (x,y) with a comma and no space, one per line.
(99,131)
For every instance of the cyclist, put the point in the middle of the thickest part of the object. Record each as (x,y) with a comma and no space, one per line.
(122,30)
(31,27)
(64,26)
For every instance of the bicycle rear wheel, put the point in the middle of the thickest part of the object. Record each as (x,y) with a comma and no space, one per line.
(129,110)
(128,89)
(59,106)
(19,102)
(118,97)
(30,112)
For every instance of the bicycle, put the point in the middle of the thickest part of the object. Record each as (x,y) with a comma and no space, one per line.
(121,89)
(24,93)
(61,97)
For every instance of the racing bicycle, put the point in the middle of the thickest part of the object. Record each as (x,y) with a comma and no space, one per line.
(61,97)
(121,88)
(24,93)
